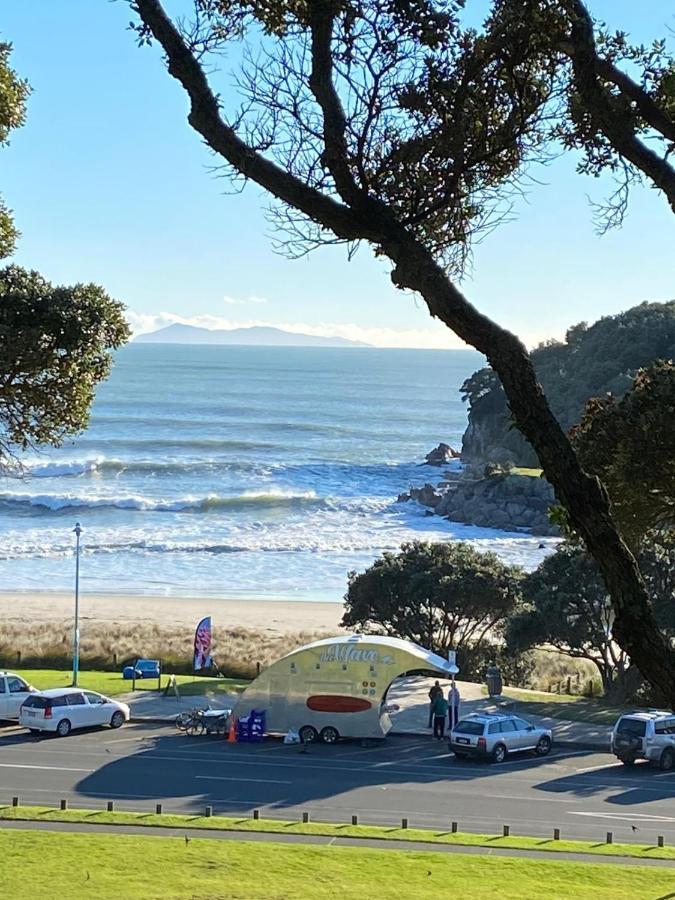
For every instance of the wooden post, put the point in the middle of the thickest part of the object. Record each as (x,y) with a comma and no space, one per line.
(453,827)
(610,837)
(305,818)
(506,830)
(158,809)
(15,801)
(659,840)
(556,834)
(355,820)
(256,814)
(64,804)
(404,823)
(208,812)
(111,805)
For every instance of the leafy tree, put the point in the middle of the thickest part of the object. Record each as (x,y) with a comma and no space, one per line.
(594,360)
(55,345)
(13,94)
(386,121)
(628,444)
(567,606)
(438,595)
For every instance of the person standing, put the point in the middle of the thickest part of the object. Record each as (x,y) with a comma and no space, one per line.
(434,691)
(454,700)
(440,712)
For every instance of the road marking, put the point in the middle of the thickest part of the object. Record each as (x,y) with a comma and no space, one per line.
(612,765)
(43,768)
(635,817)
(254,780)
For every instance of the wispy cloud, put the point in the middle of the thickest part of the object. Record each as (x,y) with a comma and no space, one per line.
(242,301)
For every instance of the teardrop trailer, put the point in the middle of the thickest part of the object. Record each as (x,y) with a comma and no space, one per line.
(337,687)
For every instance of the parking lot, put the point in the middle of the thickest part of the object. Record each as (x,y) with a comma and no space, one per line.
(584,794)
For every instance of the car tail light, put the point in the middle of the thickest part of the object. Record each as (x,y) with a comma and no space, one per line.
(48,712)
(481,743)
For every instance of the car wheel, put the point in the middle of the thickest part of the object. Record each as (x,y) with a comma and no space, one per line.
(63,728)
(329,735)
(667,760)
(543,745)
(117,719)
(499,753)
(308,734)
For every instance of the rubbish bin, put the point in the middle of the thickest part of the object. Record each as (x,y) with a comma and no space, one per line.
(493,680)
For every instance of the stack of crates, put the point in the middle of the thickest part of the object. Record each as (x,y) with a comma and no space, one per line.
(251,728)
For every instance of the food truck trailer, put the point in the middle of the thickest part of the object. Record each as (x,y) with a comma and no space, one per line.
(337,687)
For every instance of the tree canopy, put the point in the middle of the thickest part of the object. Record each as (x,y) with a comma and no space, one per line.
(55,345)
(594,361)
(13,95)
(388,121)
(438,595)
(629,443)
(566,605)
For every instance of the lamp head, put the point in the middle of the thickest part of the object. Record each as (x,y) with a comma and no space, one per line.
(77,529)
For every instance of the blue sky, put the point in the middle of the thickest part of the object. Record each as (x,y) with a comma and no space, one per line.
(109,184)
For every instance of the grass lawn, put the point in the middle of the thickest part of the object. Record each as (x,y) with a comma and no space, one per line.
(112,683)
(378,832)
(564,706)
(524,470)
(112,866)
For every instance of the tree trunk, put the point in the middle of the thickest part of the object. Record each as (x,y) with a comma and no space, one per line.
(635,628)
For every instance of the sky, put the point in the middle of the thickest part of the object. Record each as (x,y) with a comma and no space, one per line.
(109,184)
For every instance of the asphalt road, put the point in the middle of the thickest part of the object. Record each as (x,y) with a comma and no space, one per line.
(584,794)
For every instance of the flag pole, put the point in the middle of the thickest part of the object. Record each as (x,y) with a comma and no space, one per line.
(76,633)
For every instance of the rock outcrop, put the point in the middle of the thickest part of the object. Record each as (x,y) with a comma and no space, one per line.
(441,455)
(504,501)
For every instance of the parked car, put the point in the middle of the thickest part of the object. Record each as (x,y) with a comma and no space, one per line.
(142,668)
(649,734)
(494,736)
(61,710)
(14,690)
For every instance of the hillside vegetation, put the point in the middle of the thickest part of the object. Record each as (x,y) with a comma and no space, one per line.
(592,361)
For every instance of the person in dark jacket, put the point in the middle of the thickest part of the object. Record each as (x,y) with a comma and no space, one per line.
(440,713)
(434,691)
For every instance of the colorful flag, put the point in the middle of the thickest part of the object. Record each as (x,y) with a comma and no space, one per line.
(202,654)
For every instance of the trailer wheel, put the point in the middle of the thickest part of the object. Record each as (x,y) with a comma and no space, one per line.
(308,734)
(329,735)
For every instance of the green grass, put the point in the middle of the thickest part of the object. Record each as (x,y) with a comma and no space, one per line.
(112,684)
(564,706)
(76,865)
(378,832)
(524,470)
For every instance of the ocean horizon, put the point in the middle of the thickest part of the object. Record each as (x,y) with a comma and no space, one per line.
(235,471)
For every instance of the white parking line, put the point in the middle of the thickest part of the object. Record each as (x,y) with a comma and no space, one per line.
(254,780)
(634,817)
(43,768)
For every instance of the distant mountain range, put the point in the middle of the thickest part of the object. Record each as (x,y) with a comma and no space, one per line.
(260,336)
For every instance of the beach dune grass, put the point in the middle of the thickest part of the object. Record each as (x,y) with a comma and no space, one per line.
(108,866)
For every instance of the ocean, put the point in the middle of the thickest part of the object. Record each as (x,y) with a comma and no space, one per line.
(242,471)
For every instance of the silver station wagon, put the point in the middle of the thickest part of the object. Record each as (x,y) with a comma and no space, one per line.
(495,736)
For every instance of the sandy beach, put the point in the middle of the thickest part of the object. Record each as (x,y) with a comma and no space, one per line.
(264,616)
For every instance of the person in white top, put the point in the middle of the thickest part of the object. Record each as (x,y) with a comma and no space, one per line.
(454,700)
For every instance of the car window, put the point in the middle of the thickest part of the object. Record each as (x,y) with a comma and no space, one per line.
(16,685)
(632,727)
(508,725)
(665,726)
(469,726)
(75,700)
(521,724)
(494,728)
(94,699)
(36,702)
(2,685)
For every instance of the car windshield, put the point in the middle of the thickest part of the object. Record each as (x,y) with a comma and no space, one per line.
(633,727)
(469,726)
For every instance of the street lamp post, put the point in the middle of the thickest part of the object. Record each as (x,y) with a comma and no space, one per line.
(76,634)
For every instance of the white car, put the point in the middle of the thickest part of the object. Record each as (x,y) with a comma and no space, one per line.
(61,710)
(14,691)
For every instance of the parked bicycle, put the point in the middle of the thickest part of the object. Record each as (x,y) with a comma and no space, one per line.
(204,721)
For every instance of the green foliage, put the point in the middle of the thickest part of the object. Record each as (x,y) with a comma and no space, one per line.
(438,595)
(629,444)
(567,606)
(13,95)
(593,361)
(55,347)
